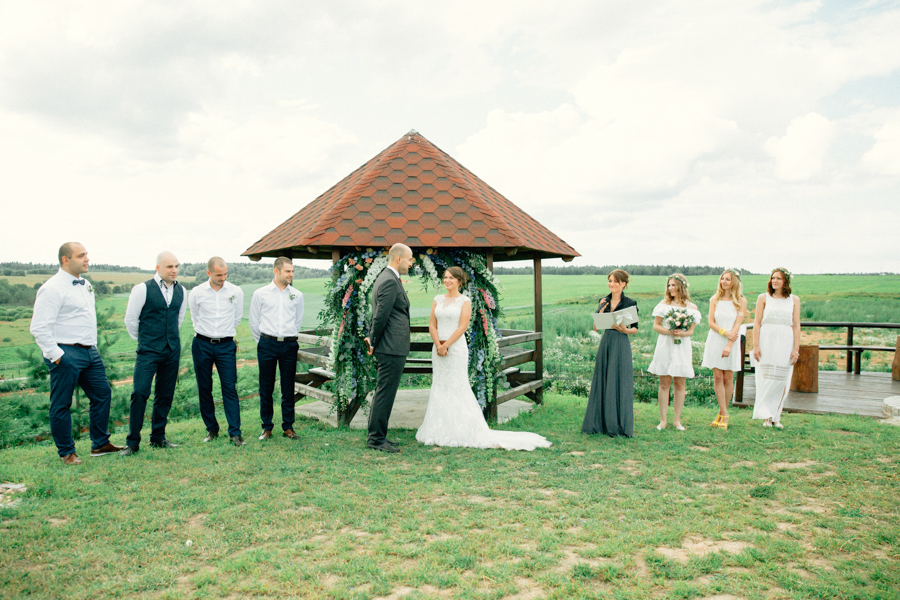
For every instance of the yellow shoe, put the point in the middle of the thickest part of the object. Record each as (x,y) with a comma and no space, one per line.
(723,422)
(716,422)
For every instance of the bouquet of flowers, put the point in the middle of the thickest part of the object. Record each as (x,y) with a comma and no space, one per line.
(678,319)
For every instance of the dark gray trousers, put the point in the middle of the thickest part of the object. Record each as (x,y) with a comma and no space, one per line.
(390,369)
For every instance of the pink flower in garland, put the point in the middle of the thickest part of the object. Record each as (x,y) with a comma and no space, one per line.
(346,300)
(485,321)
(341,329)
(488,298)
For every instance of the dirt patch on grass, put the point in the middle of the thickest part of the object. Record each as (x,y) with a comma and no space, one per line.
(528,589)
(596,466)
(742,463)
(640,566)
(803,464)
(631,467)
(700,448)
(196,522)
(700,547)
(822,475)
(571,558)
(576,453)
(58,522)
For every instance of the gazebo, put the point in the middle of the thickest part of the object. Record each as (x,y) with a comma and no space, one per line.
(414,193)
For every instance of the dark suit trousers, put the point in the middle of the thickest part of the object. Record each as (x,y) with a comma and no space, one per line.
(82,367)
(269,354)
(224,356)
(390,369)
(147,365)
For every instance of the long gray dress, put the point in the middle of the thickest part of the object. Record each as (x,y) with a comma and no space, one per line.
(610,408)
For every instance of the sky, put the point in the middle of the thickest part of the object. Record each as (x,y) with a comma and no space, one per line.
(746,133)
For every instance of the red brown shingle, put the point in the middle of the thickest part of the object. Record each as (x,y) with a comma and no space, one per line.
(413,193)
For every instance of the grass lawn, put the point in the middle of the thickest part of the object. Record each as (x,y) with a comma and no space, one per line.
(808,512)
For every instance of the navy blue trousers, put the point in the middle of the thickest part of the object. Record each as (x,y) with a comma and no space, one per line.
(224,356)
(147,365)
(269,354)
(82,367)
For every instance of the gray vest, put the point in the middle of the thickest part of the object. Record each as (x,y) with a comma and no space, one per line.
(158,330)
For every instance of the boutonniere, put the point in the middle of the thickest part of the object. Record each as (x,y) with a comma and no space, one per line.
(90,288)
(231,298)
(292,296)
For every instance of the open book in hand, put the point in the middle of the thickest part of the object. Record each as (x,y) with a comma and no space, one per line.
(625,316)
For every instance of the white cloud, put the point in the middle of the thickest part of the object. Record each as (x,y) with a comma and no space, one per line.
(800,153)
(200,125)
(884,157)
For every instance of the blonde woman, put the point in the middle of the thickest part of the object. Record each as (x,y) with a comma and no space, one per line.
(722,354)
(776,346)
(672,358)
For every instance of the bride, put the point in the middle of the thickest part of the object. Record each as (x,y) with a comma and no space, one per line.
(453,417)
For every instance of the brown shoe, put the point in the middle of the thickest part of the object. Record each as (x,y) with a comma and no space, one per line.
(211,436)
(266,434)
(109,448)
(290,434)
(71,459)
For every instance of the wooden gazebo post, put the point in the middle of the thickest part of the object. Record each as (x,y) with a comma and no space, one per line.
(538,328)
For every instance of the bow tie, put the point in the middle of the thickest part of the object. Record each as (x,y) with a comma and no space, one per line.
(78,282)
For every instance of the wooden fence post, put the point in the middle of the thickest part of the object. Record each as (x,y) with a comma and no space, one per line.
(806,371)
(895,366)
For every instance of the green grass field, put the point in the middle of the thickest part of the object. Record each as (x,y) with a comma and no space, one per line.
(808,512)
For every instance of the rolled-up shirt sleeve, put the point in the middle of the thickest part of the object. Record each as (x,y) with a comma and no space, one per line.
(238,306)
(255,314)
(133,312)
(46,309)
(299,325)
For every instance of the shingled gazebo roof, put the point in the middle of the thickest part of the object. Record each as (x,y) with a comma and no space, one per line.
(414,193)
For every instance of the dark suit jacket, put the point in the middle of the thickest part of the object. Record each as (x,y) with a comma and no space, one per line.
(389,332)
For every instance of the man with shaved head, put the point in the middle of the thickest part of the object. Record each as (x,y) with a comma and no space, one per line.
(154,315)
(64,326)
(216,310)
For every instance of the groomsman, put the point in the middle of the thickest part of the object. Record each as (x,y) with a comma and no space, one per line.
(64,326)
(153,318)
(216,310)
(276,315)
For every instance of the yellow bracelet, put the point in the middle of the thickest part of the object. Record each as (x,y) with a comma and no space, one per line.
(722,331)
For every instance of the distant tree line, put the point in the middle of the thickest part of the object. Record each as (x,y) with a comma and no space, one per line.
(193,274)
(632,269)
(16,294)
(18,269)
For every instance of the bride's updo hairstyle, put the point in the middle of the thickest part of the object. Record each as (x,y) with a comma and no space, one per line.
(459,275)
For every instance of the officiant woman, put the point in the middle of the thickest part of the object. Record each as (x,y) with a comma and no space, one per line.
(610,408)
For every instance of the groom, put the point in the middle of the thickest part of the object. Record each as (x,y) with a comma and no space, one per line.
(389,341)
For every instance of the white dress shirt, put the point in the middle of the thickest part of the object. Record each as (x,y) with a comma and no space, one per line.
(396,272)
(64,313)
(216,314)
(138,298)
(275,312)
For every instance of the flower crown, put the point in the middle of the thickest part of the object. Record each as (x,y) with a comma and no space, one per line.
(734,272)
(784,271)
(681,279)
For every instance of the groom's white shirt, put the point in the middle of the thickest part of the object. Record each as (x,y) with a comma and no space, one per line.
(395,271)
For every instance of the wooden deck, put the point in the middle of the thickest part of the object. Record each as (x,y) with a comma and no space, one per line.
(840,393)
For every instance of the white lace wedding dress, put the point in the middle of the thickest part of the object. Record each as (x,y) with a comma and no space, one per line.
(453,416)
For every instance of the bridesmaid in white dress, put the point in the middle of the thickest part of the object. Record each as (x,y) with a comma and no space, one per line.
(453,416)
(671,360)
(726,313)
(776,346)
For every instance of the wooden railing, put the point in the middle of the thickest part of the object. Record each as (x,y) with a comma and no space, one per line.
(521,383)
(854,352)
